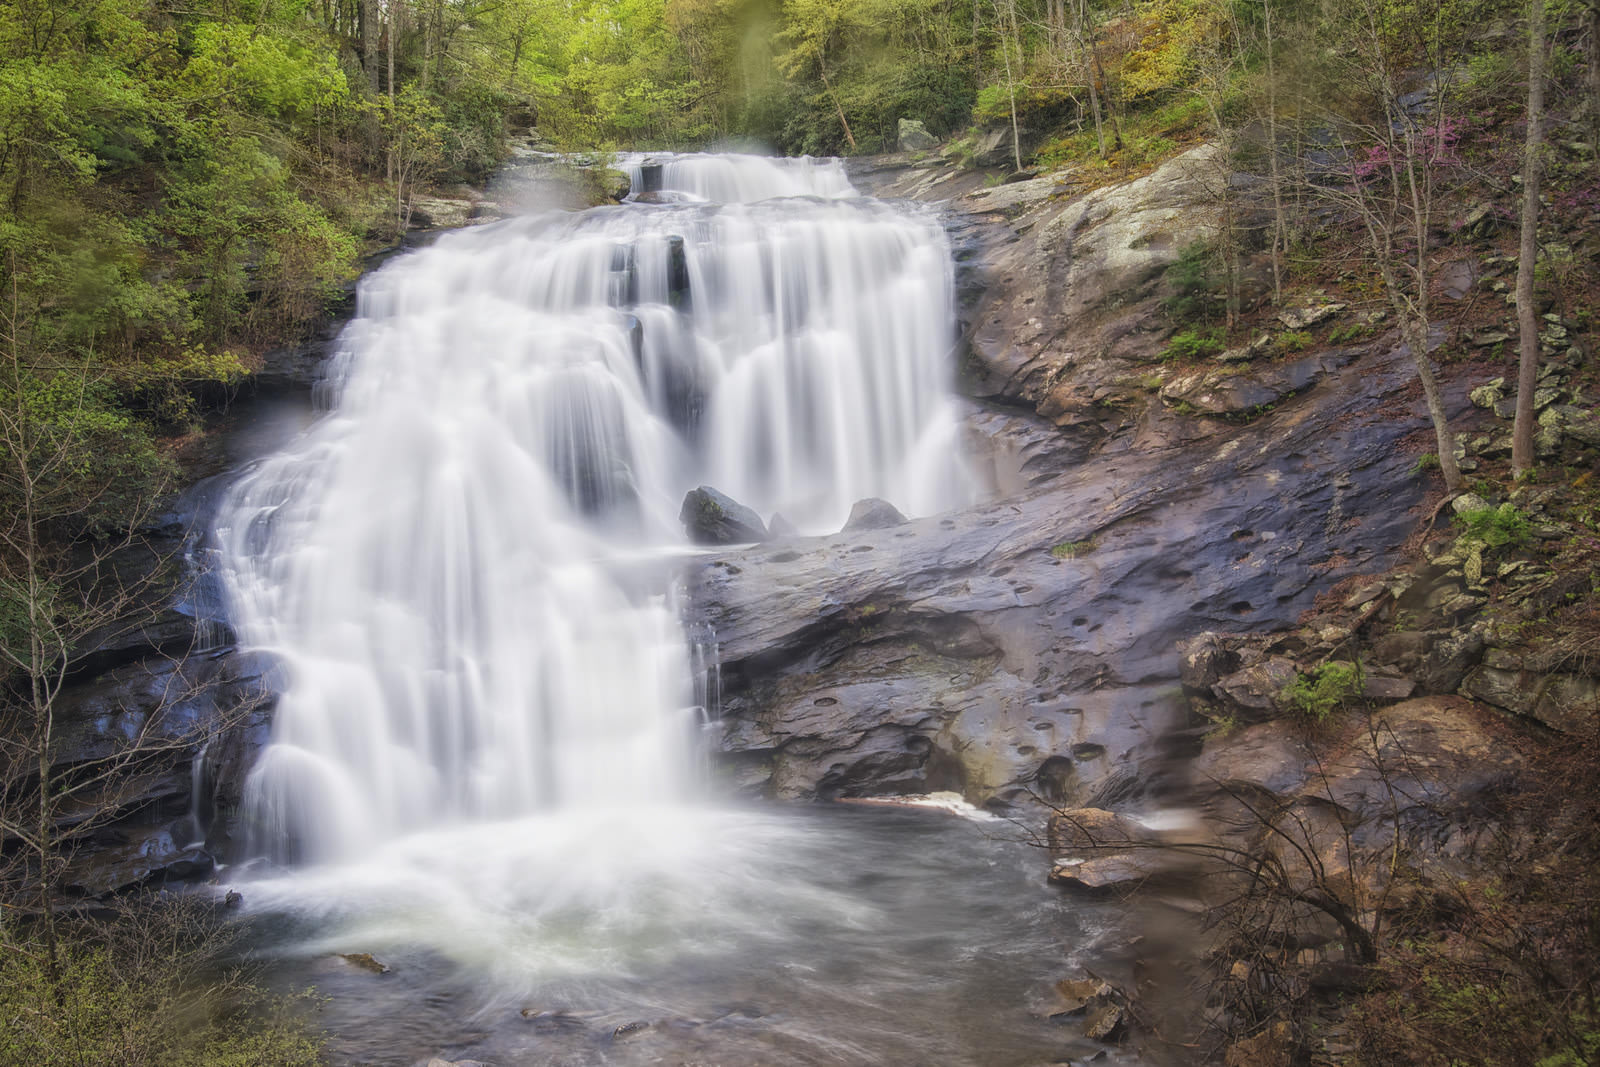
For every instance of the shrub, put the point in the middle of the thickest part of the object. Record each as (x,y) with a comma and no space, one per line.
(1072,549)
(1193,343)
(147,989)
(1196,291)
(1501,527)
(1317,694)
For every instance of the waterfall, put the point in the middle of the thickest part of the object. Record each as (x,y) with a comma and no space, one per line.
(460,568)
(735,179)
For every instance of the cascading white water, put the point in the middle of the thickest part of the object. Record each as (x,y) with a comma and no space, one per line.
(735,179)
(447,565)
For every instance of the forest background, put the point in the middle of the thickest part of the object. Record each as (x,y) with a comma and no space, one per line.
(183,185)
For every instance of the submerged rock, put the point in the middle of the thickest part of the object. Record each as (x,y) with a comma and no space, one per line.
(1101,1006)
(366,961)
(713,518)
(1098,850)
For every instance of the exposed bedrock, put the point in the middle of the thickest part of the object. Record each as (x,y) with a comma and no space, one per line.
(1029,646)
(1061,290)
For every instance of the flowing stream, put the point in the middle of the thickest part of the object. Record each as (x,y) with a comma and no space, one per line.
(483,762)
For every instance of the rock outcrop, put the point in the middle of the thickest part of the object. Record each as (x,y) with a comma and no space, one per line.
(914,136)
(1029,647)
(873,514)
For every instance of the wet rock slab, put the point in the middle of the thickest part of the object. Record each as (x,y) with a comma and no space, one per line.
(1029,647)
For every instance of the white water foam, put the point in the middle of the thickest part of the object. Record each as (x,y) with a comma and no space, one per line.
(488,699)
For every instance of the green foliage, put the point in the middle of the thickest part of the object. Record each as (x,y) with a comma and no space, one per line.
(1193,343)
(1497,527)
(1072,549)
(1330,686)
(1293,340)
(1349,332)
(1196,289)
(110,1004)
(1428,461)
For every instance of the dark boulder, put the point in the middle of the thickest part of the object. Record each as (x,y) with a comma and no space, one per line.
(713,518)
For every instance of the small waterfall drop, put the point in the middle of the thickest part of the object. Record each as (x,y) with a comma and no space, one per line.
(458,568)
(735,179)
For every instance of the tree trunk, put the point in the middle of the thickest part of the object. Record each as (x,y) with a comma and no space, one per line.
(849,137)
(427,43)
(1414,331)
(1006,38)
(368,14)
(1527,257)
(1280,228)
(393,31)
(1418,342)
(1086,46)
(1593,19)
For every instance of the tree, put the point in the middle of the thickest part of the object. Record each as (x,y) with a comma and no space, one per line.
(1528,255)
(1396,154)
(812,30)
(1005,14)
(70,463)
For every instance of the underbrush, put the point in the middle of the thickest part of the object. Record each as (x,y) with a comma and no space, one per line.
(152,988)
(1500,969)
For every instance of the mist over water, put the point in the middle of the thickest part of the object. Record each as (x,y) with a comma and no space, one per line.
(483,753)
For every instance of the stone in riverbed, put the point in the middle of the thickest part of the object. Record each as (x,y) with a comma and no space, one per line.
(366,961)
(1104,1021)
(1119,870)
(873,514)
(713,518)
(553,1022)
(1097,850)
(1073,996)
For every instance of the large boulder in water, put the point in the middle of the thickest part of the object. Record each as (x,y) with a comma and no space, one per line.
(713,518)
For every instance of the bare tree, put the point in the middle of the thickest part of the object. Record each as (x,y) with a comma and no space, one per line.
(75,571)
(1005,15)
(1394,163)
(1282,873)
(1528,254)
